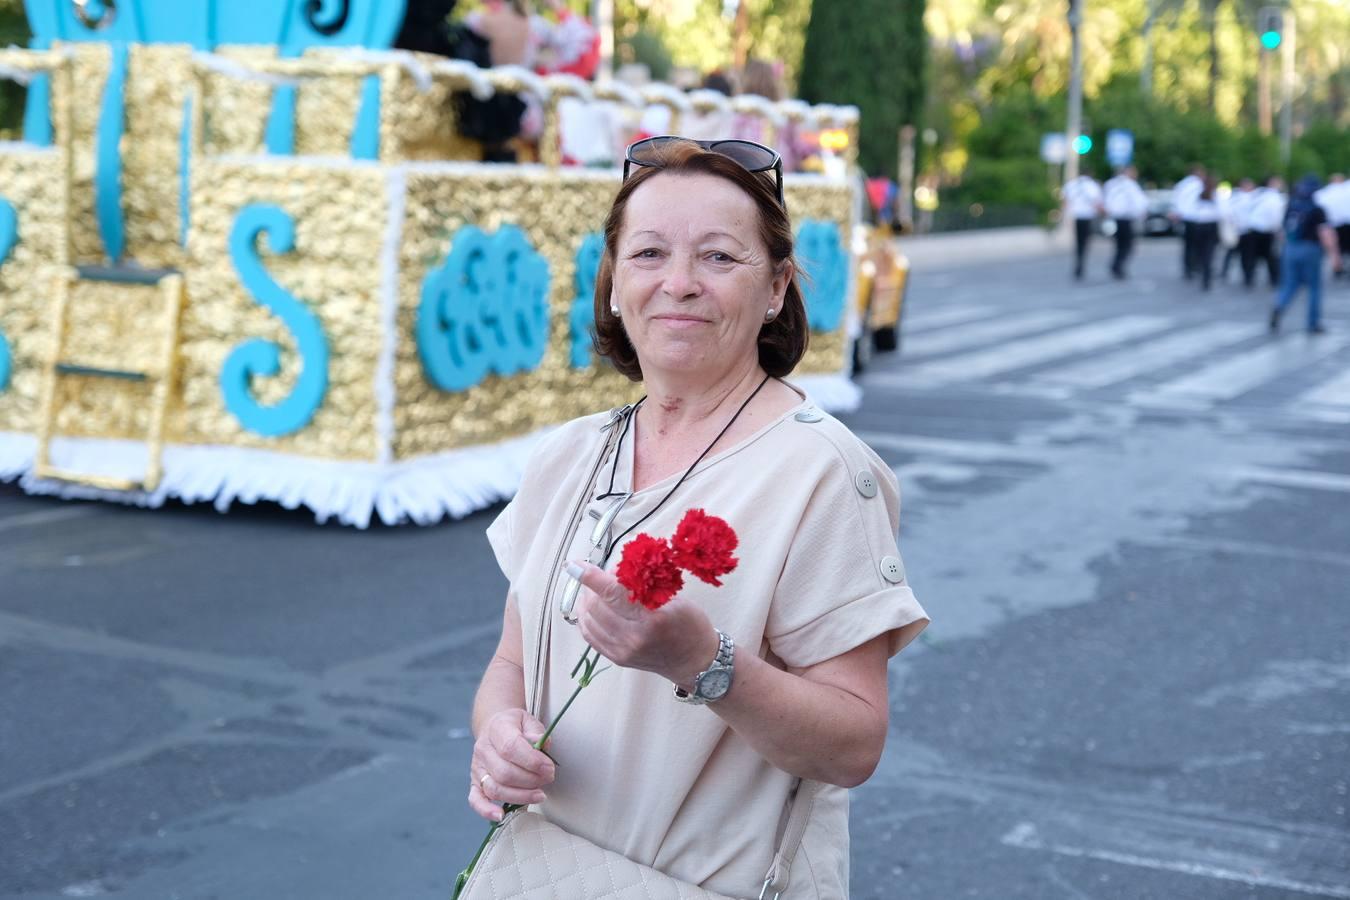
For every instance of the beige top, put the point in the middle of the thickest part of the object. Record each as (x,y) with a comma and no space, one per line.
(662,782)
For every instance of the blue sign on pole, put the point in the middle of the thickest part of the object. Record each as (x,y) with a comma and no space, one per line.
(1119,147)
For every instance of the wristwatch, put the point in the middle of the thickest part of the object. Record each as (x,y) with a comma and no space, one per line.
(713,682)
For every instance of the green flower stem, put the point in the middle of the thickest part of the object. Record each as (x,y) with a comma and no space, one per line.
(587,666)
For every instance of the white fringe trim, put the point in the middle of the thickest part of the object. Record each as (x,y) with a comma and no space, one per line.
(422,491)
(833,393)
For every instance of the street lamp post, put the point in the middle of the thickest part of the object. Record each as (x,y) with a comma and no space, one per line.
(1075,123)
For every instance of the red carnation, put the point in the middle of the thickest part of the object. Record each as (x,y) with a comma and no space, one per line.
(703,546)
(649,571)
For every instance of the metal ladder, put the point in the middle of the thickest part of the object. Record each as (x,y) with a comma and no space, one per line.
(161,376)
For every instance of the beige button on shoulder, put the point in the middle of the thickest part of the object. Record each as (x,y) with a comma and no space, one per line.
(866,484)
(892,569)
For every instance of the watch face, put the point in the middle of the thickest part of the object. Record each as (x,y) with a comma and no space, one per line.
(714,684)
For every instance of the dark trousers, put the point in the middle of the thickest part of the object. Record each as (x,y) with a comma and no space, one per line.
(1082,234)
(1256,247)
(1343,240)
(1124,246)
(1189,264)
(1206,239)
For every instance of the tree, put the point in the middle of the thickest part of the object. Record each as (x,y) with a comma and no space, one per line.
(874,55)
(13,30)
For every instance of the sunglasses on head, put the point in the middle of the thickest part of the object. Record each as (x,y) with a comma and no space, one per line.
(752,157)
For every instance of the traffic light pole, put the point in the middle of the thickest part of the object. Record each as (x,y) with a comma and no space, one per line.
(1075,123)
(1263,93)
(1287,90)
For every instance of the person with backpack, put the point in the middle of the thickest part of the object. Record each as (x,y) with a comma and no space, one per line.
(1307,233)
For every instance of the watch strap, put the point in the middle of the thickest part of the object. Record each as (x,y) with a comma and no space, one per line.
(723,661)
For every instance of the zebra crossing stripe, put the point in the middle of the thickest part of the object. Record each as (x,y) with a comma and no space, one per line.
(1330,396)
(949,340)
(1131,362)
(1037,350)
(1241,373)
(941,318)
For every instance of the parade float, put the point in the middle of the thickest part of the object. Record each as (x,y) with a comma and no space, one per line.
(245,255)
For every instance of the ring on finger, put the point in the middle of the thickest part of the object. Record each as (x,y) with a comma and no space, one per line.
(482,781)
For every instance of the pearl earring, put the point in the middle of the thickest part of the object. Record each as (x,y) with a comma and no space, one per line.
(614,311)
(768,316)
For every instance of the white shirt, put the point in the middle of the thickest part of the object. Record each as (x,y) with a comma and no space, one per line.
(1203,211)
(1184,195)
(1237,209)
(1083,197)
(1335,199)
(1267,211)
(1125,199)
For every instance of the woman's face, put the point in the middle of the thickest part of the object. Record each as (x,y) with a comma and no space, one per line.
(692,278)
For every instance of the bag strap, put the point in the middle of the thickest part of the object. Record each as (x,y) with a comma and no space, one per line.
(578,516)
(776,881)
(803,799)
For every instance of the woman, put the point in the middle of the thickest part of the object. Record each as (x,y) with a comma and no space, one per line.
(697,298)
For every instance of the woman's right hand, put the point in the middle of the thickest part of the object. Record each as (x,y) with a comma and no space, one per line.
(505,767)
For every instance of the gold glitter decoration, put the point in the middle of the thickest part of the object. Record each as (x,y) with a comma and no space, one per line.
(157,83)
(90,65)
(34,183)
(555,210)
(340,213)
(417,125)
(828,202)
(237,109)
(340,216)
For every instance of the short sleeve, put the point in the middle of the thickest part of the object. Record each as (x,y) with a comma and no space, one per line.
(843,582)
(500,535)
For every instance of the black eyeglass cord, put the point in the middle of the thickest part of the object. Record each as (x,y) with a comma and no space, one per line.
(687,472)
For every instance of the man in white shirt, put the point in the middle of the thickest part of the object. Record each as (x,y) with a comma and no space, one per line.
(1184,194)
(1126,203)
(1263,221)
(1335,199)
(1082,203)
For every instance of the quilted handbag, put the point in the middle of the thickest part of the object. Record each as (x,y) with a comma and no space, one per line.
(530,858)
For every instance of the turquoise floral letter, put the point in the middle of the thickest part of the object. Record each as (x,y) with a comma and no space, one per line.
(581,319)
(9,236)
(485,309)
(257,357)
(825,260)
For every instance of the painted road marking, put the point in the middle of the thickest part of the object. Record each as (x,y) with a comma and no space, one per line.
(951,339)
(46,516)
(941,318)
(1254,872)
(1330,400)
(1034,351)
(1239,374)
(1132,362)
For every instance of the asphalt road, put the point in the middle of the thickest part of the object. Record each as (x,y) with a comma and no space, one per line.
(1125,508)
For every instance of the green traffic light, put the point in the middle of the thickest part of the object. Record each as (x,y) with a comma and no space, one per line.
(1270,40)
(1082,144)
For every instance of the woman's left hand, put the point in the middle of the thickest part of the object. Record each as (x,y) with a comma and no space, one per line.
(676,641)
